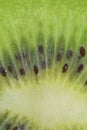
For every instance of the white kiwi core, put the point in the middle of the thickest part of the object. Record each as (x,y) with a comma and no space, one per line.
(49,102)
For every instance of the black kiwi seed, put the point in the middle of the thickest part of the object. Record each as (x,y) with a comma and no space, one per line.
(15,128)
(22,71)
(10,68)
(59,56)
(65,68)
(86,82)
(2,71)
(82,51)
(40,49)
(36,70)
(69,54)
(80,68)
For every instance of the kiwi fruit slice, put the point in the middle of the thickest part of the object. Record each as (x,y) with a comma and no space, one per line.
(43,59)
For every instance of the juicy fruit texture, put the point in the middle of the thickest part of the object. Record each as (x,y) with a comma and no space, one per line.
(43,75)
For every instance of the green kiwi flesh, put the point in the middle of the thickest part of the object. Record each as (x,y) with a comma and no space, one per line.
(43,59)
